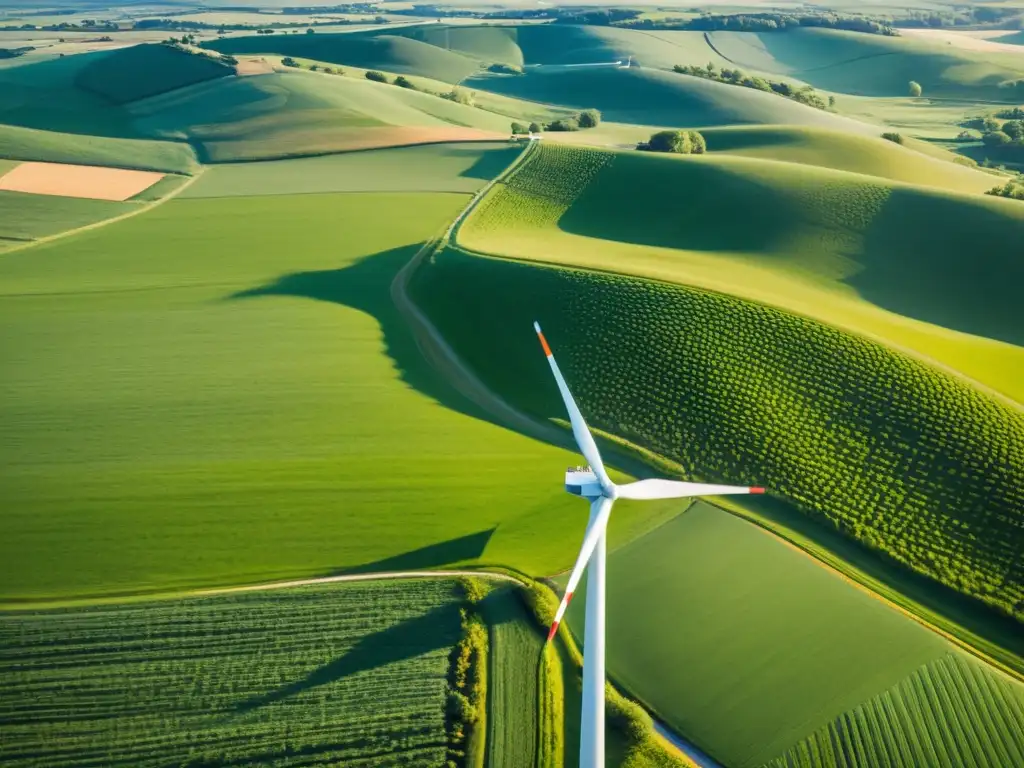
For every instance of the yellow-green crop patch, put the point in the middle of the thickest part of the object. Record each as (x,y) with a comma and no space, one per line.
(746,646)
(910,462)
(880,258)
(293,677)
(432,168)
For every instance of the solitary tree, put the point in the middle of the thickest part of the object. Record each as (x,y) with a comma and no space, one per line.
(670,141)
(915,88)
(403,82)
(589,118)
(519,128)
(377,77)
(831,102)
(536,128)
(896,138)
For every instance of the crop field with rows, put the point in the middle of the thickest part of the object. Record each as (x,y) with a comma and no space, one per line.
(289,677)
(909,725)
(905,459)
(870,255)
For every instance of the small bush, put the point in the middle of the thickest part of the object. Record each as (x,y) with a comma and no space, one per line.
(460,96)
(698,145)
(377,77)
(505,69)
(914,88)
(536,128)
(288,61)
(403,82)
(895,138)
(565,124)
(670,141)
(589,118)
(519,129)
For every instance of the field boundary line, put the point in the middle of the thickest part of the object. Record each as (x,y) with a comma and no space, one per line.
(141,208)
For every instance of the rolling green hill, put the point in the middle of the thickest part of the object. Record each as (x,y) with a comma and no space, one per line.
(883,259)
(392,53)
(909,461)
(296,113)
(697,607)
(654,97)
(872,156)
(129,74)
(875,65)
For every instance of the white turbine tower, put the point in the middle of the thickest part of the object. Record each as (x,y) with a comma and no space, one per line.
(593,484)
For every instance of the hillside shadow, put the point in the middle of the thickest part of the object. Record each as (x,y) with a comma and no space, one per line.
(365,285)
(450,552)
(438,628)
(930,258)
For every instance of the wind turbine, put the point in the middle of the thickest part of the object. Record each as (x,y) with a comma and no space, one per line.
(593,484)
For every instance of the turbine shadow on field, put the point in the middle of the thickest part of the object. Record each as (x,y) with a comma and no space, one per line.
(438,628)
(450,552)
(365,285)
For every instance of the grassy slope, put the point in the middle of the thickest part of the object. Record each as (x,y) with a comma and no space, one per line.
(28,217)
(742,393)
(842,151)
(742,644)
(53,147)
(128,74)
(952,711)
(873,256)
(873,65)
(653,97)
(395,54)
(291,677)
(442,168)
(294,113)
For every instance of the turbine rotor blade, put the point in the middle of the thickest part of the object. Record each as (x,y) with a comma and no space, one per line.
(673,489)
(580,431)
(600,510)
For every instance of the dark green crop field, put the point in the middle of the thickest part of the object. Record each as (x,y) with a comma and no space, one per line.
(907,460)
(289,678)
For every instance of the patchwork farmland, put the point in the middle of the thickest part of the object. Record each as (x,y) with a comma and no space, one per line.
(281,459)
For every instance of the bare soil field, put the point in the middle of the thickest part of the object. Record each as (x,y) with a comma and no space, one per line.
(256,66)
(87,181)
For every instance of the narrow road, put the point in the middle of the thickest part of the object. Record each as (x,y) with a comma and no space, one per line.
(376,576)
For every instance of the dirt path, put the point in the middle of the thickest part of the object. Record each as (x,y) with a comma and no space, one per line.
(441,356)
(377,576)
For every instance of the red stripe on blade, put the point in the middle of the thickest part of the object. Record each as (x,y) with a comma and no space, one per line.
(757,490)
(568,598)
(544,343)
(554,628)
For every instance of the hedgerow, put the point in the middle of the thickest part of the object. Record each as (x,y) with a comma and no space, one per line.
(909,461)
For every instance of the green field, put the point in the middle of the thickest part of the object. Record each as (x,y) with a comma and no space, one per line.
(216,361)
(857,436)
(876,65)
(129,74)
(438,168)
(387,52)
(953,711)
(289,677)
(747,647)
(29,217)
(50,146)
(513,695)
(872,256)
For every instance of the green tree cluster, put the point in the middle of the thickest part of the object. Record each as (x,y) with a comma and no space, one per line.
(588,118)
(895,138)
(677,142)
(1013,189)
(804,95)
(377,77)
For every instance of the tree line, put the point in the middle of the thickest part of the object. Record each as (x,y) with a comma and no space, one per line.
(805,95)
(587,118)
